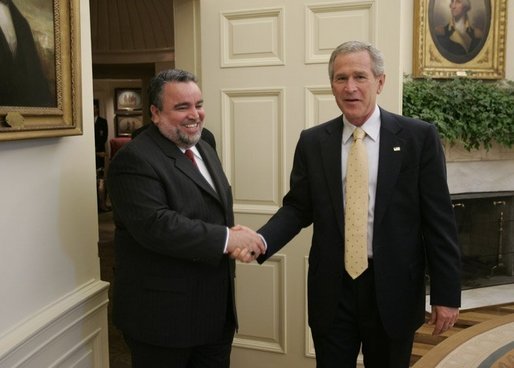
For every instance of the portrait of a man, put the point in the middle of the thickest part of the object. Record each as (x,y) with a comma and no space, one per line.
(27,55)
(459,28)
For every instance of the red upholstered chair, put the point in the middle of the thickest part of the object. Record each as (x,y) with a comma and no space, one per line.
(117,143)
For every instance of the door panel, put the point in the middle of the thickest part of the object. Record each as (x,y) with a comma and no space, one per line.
(263,69)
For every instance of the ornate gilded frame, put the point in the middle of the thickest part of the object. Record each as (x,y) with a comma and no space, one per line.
(431,56)
(65,118)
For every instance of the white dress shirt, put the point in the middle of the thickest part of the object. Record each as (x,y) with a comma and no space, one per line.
(205,173)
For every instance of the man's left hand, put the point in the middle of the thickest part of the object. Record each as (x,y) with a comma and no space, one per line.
(443,318)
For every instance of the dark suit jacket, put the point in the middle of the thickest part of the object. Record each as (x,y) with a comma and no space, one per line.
(101,132)
(413,222)
(22,79)
(173,285)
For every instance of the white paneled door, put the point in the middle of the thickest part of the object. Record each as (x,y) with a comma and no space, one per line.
(263,71)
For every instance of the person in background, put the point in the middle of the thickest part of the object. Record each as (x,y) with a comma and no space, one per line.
(173,289)
(101,133)
(407,227)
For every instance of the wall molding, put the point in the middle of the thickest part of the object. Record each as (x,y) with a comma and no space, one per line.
(70,332)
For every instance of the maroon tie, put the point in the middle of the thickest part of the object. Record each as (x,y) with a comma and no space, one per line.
(190,155)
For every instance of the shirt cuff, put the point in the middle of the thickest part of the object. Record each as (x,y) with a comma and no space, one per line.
(264,242)
(226,241)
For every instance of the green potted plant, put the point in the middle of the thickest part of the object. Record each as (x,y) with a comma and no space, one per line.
(472,111)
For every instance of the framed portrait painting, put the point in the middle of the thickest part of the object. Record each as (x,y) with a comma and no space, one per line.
(459,38)
(40,79)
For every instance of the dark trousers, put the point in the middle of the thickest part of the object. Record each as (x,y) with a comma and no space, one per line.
(358,322)
(213,355)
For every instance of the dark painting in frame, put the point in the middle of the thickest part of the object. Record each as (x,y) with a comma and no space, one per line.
(55,26)
(473,47)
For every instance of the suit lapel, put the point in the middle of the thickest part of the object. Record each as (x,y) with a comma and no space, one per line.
(183,164)
(331,144)
(391,152)
(217,174)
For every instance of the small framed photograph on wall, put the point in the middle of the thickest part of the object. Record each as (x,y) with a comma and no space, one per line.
(128,99)
(459,38)
(126,124)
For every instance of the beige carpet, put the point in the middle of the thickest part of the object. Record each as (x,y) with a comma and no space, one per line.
(489,344)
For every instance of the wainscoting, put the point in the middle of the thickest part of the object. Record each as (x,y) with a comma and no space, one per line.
(69,333)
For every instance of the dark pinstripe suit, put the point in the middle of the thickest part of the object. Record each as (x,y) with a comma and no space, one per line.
(173,285)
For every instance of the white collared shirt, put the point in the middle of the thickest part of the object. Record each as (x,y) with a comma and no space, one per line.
(201,166)
(205,173)
(372,143)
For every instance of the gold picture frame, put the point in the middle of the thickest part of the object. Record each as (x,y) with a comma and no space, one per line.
(478,51)
(62,115)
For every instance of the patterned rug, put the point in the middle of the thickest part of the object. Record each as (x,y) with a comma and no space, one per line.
(489,344)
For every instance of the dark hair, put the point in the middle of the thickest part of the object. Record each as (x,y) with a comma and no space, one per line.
(166,76)
(350,47)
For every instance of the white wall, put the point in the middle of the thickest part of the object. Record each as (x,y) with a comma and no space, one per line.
(48,224)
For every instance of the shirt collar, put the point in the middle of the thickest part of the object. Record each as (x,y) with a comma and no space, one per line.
(194,149)
(371,126)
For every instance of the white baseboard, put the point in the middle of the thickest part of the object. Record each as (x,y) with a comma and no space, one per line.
(72,332)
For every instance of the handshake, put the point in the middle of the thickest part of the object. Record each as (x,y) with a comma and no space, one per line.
(244,244)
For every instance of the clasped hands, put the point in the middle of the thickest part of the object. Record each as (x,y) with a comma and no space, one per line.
(244,244)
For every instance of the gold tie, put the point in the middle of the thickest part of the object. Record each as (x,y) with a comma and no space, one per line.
(356,210)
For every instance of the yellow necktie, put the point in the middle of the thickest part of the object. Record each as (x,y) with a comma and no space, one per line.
(356,210)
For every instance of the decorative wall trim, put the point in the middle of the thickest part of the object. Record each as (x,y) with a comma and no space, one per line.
(253,121)
(239,47)
(319,105)
(70,332)
(327,25)
(262,288)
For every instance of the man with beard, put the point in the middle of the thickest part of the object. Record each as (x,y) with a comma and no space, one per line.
(173,295)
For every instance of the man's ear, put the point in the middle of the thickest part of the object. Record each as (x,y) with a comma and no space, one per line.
(381,82)
(155,113)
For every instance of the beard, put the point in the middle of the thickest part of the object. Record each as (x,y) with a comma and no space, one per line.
(185,140)
(180,138)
